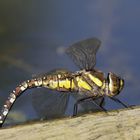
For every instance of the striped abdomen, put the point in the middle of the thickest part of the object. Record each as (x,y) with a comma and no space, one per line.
(58,80)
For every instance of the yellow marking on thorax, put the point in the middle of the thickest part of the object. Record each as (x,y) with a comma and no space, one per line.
(103,85)
(66,83)
(96,80)
(82,84)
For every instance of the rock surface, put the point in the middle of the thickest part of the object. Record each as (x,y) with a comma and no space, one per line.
(114,125)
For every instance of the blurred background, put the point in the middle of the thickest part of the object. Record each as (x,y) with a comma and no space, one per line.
(34,35)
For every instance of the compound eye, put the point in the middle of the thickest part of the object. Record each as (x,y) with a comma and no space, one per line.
(115,83)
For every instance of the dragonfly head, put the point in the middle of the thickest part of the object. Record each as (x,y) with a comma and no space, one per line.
(115,84)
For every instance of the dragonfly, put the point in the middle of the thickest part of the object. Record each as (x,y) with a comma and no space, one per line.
(88,82)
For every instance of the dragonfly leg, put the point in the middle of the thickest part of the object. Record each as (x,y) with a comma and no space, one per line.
(75,110)
(85,99)
(99,105)
(102,101)
(118,101)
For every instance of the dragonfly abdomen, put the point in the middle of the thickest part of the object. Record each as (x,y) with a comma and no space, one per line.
(60,82)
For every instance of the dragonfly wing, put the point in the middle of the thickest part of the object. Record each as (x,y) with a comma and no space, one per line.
(83,53)
(49,104)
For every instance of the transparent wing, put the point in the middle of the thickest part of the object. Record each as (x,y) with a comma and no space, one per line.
(48,103)
(83,53)
(52,104)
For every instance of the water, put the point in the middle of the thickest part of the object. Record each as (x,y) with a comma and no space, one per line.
(34,35)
